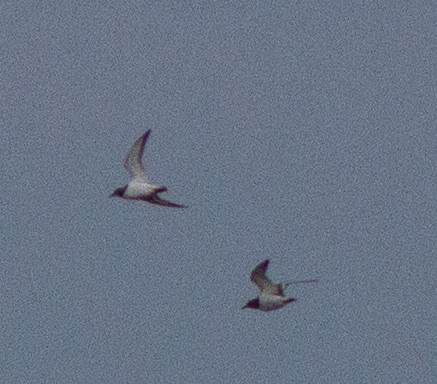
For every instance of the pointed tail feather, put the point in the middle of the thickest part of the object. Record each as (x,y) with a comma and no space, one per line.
(285,285)
(289,300)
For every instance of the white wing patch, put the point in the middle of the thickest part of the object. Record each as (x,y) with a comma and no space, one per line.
(133,163)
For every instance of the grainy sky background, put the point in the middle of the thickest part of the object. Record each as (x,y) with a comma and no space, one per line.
(300,131)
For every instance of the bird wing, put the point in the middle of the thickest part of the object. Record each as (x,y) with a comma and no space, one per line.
(156,199)
(258,276)
(132,162)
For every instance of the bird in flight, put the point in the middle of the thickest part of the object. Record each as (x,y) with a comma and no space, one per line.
(271,295)
(139,187)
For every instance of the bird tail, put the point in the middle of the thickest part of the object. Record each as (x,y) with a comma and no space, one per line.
(286,284)
(289,300)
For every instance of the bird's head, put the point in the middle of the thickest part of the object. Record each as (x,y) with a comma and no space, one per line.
(254,303)
(119,192)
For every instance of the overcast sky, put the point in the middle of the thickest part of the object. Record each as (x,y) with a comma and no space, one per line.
(299,131)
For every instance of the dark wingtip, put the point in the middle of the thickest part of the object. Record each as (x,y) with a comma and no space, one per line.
(146,135)
(265,263)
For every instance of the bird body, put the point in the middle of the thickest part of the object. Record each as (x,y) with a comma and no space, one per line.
(137,190)
(268,302)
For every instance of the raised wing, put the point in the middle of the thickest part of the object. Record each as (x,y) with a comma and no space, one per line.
(132,162)
(258,276)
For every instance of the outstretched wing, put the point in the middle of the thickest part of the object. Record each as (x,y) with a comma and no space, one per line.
(132,162)
(155,199)
(258,276)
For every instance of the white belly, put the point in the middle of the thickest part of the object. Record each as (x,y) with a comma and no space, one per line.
(135,190)
(269,302)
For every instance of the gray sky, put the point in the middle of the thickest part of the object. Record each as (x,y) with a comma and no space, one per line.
(303,132)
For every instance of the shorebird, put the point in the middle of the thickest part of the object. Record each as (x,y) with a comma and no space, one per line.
(139,187)
(271,295)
